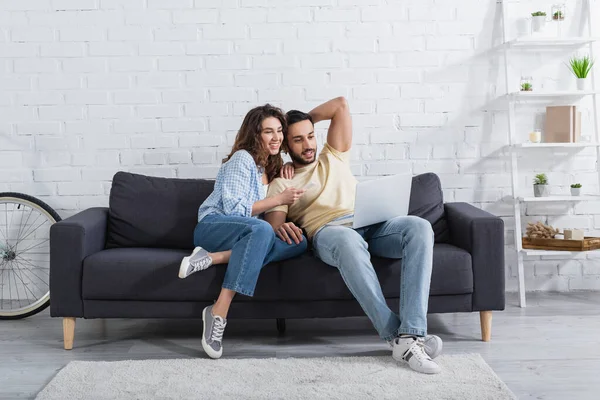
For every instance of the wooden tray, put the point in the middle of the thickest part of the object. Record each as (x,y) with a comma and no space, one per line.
(588,243)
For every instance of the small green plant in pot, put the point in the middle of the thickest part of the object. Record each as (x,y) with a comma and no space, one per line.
(581,67)
(540,185)
(526,87)
(538,20)
(558,16)
(576,189)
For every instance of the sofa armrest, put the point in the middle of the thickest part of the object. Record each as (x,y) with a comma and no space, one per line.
(482,235)
(71,241)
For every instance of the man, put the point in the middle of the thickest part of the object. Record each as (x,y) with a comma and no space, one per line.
(325,211)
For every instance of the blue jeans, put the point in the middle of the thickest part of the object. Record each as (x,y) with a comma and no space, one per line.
(252,242)
(409,238)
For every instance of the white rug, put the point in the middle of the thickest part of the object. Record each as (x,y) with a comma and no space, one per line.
(463,377)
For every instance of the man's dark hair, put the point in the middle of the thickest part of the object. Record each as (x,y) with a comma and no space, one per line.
(294,116)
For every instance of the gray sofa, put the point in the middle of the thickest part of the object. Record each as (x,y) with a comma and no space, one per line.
(122,261)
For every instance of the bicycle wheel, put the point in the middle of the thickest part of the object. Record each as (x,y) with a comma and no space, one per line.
(24,255)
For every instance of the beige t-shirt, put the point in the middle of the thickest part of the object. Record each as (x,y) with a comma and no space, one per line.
(331,197)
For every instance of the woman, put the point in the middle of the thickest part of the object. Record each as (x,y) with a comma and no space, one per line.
(227,219)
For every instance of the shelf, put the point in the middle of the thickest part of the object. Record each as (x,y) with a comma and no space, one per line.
(566,93)
(557,145)
(532,252)
(547,199)
(550,42)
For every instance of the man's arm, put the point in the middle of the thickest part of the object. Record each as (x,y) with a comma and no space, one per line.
(287,231)
(339,135)
(276,217)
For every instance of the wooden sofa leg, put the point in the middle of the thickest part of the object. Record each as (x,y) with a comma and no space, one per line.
(68,332)
(485,318)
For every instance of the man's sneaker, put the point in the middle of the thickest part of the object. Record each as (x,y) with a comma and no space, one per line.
(411,351)
(213,327)
(433,345)
(199,260)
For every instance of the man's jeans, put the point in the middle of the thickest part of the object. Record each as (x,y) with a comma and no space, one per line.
(409,238)
(252,242)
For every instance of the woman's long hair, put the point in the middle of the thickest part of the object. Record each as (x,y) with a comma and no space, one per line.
(248,138)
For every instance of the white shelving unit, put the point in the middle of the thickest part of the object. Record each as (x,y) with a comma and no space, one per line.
(557,198)
(528,42)
(523,96)
(556,145)
(513,98)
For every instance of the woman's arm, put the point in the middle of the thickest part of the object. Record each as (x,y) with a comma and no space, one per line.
(236,183)
(285,198)
(261,206)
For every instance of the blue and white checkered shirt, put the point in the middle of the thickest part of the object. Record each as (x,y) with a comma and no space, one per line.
(237,187)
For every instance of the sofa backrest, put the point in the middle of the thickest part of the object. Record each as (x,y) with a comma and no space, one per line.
(147,211)
(427,201)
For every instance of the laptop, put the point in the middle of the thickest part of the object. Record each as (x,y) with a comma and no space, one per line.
(379,200)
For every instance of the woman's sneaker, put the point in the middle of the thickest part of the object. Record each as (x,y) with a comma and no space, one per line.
(411,351)
(199,260)
(213,327)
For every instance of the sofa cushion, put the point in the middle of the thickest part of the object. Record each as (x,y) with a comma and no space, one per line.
(427,201)
(147,211)
(452,270)
(151,275)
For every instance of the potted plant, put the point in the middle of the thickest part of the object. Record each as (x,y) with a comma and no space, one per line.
(538,20)
(558,16)
(540,185)
(526,87)
(576,189)
(580,67)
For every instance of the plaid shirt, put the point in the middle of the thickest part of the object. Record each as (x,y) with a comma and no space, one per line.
(237,187)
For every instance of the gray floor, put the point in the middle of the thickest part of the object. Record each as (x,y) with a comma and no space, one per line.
(550,350)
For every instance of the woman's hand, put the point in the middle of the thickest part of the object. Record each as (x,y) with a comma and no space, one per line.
(290,195)
(287,171)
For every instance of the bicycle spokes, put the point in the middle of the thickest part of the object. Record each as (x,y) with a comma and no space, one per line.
(24,256)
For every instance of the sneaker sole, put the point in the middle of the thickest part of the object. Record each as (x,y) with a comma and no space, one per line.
(207,349)
(185,264)
(428,372)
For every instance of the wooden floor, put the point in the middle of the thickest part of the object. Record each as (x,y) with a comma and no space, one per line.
(550,350)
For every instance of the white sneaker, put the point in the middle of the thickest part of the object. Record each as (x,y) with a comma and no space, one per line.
(199,260)
(432,345)
(411,351)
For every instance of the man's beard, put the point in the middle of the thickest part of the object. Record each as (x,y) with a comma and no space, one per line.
(299,160)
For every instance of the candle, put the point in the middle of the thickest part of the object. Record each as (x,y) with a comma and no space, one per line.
(535,137)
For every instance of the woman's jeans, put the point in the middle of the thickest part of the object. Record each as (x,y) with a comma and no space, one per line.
(409,238)
(252,242)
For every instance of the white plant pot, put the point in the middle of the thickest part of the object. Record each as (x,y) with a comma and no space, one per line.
(575,191)
(581,83)
(538,23)
(540,190)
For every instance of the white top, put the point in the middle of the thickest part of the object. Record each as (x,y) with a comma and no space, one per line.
(265,190)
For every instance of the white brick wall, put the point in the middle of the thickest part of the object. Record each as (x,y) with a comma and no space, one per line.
(91,87)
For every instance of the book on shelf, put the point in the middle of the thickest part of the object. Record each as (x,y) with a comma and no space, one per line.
(562,125)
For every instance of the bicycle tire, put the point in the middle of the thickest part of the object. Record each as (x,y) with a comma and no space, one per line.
(57,218)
